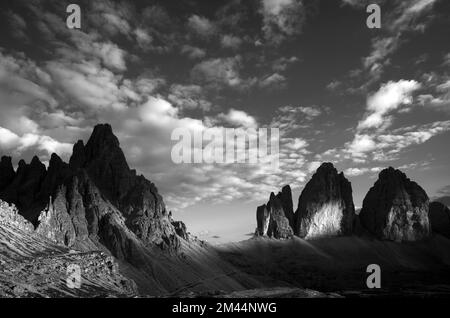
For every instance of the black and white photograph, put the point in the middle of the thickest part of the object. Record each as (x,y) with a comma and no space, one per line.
(225,149)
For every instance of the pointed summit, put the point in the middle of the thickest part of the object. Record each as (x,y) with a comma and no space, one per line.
(104,161)
(102,139)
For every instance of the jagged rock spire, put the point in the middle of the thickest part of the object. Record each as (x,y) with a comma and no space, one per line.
(273,218)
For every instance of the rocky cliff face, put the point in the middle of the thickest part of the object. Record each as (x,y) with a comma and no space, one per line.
(31,266)
(274,218)
(7,172)
(396,208)
(95,201)
(23,189)
(9,215)
(325,206)
(439,216)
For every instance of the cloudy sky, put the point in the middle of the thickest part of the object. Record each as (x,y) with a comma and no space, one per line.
(338,91)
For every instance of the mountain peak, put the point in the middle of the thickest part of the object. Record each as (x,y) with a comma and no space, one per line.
(103,135)
(396,208)
(391,172)
(326,167)
(96,193)
(325,206)
(36,162)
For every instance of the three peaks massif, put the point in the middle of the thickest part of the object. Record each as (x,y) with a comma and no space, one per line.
(99,214)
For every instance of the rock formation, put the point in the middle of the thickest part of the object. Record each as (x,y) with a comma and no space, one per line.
(325,207)
(31,266)
(9,215)
(274,218)
(439,216)
(7,172)
(445,200)
(262,220)
(95,201)
(24,188)
(396,208)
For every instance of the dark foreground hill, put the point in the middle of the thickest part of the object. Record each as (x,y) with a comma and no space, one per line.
(338,265)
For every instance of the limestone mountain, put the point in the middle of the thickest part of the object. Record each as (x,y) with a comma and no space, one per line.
(396,208)
(325,206)
(274,218)
(94,201)
(439,216)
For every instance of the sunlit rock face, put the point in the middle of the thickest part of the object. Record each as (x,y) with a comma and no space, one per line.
(9,215)
(262,220)
(325,221)
(279,226)
(325,206)
(285,197)
(396,208)
(439,216)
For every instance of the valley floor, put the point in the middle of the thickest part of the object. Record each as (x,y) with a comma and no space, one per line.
(338,265)
(31,266)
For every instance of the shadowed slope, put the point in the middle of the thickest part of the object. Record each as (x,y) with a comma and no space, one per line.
(339,264)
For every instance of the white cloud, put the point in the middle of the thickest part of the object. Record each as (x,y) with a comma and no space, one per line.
(221,72)
(388,98)
(289,119)
(387,146)
(109,53)
(439,96)
(403,18)
(353,172)
(11,142)
(143,38)
(282,19)
(273,81)
(362,144)
(238,118)
(231,41)
(201,25)
(313,166)
(193,52)
(282,63)
(188,97)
